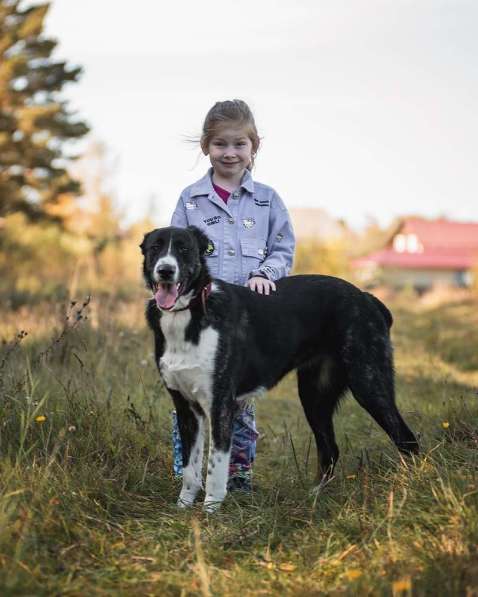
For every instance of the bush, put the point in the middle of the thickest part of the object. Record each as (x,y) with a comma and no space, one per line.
(314,257)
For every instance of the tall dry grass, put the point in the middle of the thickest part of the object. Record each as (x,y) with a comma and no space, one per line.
(87,495)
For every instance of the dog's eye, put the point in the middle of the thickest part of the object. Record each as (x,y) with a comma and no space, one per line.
(184,250)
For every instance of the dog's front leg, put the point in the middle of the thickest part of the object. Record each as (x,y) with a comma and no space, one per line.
(191,431)
(220,428)
(192,468)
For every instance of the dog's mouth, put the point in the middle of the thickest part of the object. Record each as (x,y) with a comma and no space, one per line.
(166,294)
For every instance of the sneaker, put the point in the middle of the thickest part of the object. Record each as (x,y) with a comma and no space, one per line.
(240,483)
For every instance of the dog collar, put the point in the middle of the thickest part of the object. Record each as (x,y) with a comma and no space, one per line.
(199,298)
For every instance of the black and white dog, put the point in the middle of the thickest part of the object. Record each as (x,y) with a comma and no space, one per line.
(217,343)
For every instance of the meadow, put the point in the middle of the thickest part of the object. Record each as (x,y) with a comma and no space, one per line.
(87,496)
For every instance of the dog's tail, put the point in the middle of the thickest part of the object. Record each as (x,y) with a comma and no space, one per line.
(382,308)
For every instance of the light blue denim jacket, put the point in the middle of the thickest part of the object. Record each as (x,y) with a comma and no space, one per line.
(252,234)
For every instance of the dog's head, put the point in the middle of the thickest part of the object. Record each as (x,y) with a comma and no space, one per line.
(174,265)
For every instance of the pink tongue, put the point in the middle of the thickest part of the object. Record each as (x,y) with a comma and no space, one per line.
(166,295)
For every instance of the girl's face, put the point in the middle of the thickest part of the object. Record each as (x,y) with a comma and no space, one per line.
(230,152)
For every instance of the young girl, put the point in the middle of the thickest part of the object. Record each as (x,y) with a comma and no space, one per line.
(251,239)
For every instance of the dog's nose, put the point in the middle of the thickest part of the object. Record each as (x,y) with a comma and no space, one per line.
(166,271)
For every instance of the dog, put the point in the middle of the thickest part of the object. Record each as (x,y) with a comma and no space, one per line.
(218,343)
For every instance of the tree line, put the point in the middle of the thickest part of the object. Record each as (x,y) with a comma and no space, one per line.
(49,242)
(36,123)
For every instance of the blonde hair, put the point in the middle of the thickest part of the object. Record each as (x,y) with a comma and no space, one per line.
(230,112)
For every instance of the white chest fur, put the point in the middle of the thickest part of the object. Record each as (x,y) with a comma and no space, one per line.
(187,367)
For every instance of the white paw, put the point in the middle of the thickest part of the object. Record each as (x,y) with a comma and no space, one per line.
(314,492)
(185,501)
(211,505)
(317,490)
(183,505)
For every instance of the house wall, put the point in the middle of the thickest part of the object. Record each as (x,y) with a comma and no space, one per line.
(423,278)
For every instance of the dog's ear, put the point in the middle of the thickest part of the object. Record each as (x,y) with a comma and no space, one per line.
(142,246)
(201,238)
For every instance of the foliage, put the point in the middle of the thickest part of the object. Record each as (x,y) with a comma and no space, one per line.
(42,256)
(40,260)
(87,495)
(315,257)
(35,123)
(474,279)
(91,250)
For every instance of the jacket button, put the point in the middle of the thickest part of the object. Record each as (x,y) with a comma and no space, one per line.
(231,252)
(235,195)
(231,220)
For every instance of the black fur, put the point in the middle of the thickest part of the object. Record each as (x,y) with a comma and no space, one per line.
(335,335)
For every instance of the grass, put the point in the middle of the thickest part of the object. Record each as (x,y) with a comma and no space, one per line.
(87,496)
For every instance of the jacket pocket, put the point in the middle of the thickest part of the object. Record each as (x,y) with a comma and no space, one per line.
(253,253)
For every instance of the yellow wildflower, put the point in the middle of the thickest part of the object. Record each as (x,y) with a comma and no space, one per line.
(445,424)
(353,574)
(402,585)
(40,419)
(287,567)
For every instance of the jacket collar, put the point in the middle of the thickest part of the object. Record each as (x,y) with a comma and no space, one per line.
(204,185)
(247,183)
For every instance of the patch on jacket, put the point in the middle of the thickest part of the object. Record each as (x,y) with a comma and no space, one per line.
(191,205)
(210,248)
(248,222)
(212,220)
(262,202)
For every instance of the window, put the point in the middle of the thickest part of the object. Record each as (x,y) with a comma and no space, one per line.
(407,243)
(399,243)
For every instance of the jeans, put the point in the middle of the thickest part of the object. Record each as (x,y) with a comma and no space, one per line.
(243,449)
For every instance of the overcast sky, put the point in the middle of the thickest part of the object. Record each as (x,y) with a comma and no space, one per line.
(367,108)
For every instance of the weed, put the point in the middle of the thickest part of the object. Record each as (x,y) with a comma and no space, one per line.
(87,493)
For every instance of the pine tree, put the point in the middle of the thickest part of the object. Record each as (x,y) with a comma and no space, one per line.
(35,123)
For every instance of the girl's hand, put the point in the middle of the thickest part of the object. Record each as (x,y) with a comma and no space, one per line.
(261,285)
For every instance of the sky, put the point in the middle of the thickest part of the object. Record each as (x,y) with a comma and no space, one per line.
(366,108)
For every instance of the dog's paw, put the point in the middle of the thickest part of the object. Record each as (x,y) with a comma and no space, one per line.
(184,501)
(183,505)
(211,506)
(317,489)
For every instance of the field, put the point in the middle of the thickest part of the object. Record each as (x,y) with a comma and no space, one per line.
(87,496)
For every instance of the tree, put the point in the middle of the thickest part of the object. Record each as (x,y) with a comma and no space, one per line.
(35,123)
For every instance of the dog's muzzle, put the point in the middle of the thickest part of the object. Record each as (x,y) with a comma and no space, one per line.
(166,289)
(166,272)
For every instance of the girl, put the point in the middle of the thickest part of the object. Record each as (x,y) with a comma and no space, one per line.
(251,239)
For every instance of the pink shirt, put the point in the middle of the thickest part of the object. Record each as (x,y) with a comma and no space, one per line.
(223,193)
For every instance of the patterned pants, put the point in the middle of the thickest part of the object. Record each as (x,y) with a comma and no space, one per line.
(243,450)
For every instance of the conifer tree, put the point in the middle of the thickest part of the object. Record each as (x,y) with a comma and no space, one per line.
(35,123)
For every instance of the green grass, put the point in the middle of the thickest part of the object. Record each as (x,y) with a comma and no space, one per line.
(87,496)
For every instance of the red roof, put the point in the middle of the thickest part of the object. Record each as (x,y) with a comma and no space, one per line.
(442,245)
(441,233)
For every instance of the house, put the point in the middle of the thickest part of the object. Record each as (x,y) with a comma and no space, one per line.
(424,253)
(315,223)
